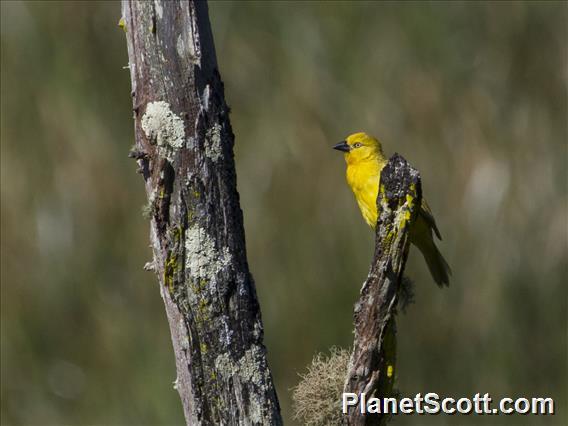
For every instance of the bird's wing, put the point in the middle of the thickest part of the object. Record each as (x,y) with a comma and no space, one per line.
(426,213)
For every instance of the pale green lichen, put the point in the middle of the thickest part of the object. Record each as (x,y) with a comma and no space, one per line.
(213,143)
(248,364)
(185,48)
(180,46)
(204,260)
(159,9)
(225,365)
(163,127)
(247,370)
(184,335)
(148,210)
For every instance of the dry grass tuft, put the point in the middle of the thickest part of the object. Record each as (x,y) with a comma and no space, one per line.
(317,398)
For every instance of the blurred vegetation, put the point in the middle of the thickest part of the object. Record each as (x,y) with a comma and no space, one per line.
(473,94)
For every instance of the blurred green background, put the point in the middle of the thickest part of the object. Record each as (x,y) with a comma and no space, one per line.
(473,94)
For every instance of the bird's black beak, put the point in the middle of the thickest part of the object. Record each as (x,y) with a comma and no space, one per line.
(342,146)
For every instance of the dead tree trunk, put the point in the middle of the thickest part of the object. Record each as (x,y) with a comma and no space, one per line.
(372,366)
(184,148)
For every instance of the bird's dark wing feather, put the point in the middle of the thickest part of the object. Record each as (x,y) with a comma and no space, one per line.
(426,213)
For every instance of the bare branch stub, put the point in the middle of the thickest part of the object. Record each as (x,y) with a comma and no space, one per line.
(372,367)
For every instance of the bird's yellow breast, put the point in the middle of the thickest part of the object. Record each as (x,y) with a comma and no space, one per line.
(365,161)
(364,177)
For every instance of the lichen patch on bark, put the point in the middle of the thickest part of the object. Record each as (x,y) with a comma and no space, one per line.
(180,47)
(159,9)
(213,143)
(163,127)
(184,49)
(245,370)
(204,260)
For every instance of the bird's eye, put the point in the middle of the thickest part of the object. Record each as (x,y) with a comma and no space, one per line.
(357,145)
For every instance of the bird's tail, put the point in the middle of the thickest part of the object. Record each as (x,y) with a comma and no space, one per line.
(437,265)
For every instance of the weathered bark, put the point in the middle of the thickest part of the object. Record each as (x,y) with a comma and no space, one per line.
(184,148)
(372,366)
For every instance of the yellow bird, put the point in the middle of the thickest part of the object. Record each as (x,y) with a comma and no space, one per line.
(365,160)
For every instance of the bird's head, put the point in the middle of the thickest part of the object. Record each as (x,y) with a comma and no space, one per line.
(360,147)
